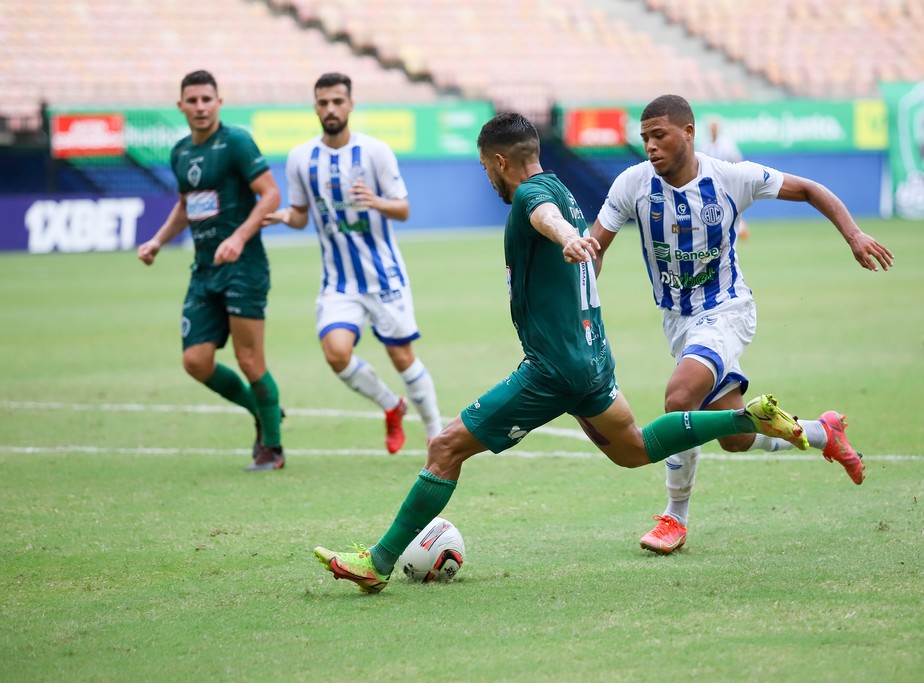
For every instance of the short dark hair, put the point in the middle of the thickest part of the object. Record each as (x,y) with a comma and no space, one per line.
(674,107)
(200,77)
(508,131)
(329,80)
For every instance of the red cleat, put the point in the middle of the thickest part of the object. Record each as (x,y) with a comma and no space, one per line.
(666,537)
(839,448)
(394,431)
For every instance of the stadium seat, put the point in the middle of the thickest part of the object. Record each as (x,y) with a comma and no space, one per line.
(523,53)
(811,46)
(115,52)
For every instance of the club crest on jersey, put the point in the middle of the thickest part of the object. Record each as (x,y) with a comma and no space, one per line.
(194,174)
(712,214)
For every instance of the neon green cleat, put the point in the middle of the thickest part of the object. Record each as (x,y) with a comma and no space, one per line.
(356,567)
(771,420)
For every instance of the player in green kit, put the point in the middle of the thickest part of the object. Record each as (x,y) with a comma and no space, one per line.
(220,172)
(568,364)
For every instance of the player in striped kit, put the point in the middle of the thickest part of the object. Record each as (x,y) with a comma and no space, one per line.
(351,184)
(720,146)
(688,207)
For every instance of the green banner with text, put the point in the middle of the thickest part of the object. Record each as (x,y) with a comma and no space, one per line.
(906,146)
(431,131)
(786,126)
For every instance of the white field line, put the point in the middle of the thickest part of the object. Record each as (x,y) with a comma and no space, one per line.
(320,412)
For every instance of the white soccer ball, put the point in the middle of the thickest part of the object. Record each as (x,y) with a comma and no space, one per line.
(436,554)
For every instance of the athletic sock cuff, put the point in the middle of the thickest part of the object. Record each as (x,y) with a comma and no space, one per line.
(414,371)
(429,477)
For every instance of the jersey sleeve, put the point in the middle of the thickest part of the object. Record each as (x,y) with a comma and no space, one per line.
(298,193)
(391,184)
(619,206)
(246,155)
(528,196)
(748,182)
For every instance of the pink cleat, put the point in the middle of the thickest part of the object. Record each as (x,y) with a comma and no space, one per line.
(839,448)
(666,537)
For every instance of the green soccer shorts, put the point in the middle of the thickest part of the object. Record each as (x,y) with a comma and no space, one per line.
(523,401)
(218,292)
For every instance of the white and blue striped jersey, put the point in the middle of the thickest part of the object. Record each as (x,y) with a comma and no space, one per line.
(359,253)
(689,233)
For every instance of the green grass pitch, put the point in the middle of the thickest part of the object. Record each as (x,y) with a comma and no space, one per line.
(135,548)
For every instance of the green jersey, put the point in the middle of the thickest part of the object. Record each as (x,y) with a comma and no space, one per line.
(215,177)
(554,304)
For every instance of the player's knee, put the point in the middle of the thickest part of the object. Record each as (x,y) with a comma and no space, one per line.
(338,357)
(444,451)
(680,398)
(198,366)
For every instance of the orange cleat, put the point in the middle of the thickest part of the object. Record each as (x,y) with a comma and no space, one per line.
(839,448)
(394,431)
(666,537)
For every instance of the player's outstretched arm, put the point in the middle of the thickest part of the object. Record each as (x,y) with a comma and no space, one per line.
(295,217)
(547,220)
(868,252)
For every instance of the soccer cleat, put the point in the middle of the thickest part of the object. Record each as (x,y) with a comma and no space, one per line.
(268,458)
(771,420)
(838,448)
(356,567)
(257,442)
(394,431)
(666,537)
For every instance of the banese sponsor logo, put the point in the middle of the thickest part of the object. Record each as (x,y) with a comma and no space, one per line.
(74,225)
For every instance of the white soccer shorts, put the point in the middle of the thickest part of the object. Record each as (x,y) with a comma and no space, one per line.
(391,314)
(716,338)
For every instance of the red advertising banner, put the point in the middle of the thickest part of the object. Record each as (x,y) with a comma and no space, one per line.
(595,127)
(87,135)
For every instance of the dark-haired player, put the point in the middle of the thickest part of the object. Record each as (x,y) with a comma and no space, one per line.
(568,364)
(689,207)
(225,188)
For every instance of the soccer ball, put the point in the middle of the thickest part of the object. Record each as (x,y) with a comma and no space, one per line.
(436,554)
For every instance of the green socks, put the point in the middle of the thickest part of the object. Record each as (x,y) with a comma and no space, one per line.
(269,413)
(260,399)
(426,500)
(226,383)
(678,432)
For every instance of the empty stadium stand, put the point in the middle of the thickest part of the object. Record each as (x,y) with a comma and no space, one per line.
(134,52)
(815,48)
(522,54)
